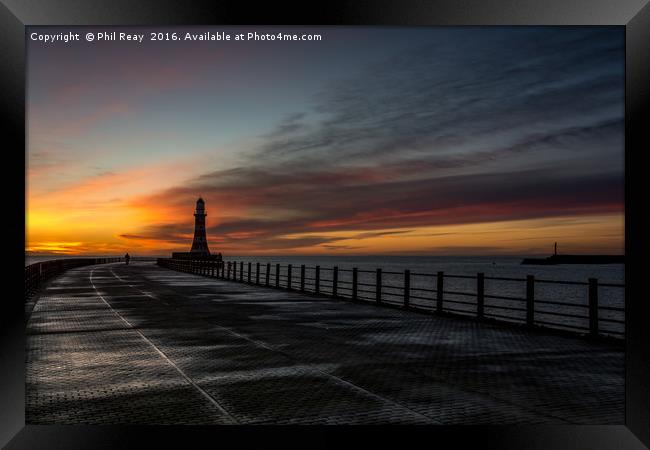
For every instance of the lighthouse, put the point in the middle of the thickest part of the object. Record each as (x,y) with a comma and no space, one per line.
(200,242)
(199,248)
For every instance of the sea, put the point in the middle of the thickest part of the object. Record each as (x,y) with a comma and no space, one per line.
(460,292)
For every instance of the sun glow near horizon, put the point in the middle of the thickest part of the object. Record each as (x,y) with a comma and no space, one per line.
(600,234)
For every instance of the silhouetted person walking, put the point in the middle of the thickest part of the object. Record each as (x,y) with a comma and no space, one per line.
(127,258)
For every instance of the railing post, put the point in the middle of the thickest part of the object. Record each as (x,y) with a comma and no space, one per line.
(440,282)
(228,277)
(480,294)
(530,300)
(289,277)
(407,288)
(355,278)
(277,275)
(378,286)
(593,307)
(302,278)
(317,281)
(268,273)
(212,266)
(335,281)
(241,271)
(249,272)
(257,273)
(234,270)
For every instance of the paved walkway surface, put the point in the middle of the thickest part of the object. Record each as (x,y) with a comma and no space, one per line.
(115,344)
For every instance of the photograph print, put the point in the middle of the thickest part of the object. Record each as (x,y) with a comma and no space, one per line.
(325,225)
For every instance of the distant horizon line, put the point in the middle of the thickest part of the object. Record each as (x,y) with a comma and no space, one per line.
(513,255)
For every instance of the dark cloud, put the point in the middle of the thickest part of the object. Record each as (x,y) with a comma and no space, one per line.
(373,234)
(132,236)
(291,124)
(422,202)
(341,247)
(434,99)
(520,124)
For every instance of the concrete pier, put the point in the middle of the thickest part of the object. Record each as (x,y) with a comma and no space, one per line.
(116,344)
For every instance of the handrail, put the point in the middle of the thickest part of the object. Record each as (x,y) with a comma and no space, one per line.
(294,277)
(37,273)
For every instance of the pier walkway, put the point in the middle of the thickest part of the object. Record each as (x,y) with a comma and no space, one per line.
(116,344)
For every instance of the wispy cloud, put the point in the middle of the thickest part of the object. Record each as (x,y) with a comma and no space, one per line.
(516,131)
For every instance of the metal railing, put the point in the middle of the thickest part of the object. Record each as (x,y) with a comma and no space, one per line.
(37,273)
(441,293)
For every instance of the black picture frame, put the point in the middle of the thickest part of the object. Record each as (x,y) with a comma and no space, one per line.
(634,15)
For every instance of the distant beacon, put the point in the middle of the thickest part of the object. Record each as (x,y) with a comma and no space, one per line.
(200,243)
(199,248)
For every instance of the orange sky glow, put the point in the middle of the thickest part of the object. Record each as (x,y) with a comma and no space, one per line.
(105,215)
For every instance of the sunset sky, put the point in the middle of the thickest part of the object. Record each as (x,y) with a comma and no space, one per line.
(469,141)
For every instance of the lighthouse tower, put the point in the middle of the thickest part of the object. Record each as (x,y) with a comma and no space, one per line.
(200,243)
(199,249)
